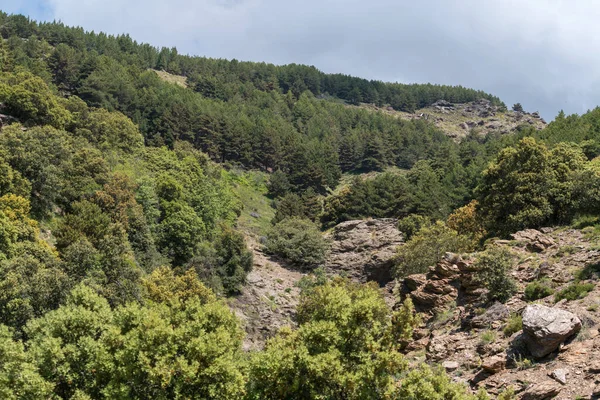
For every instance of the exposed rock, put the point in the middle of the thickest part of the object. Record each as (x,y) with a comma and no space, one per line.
(450,365)
(415,281)
(494,364)
(545,328)
(541,391)
(497,312)
(594,367)
(364,249)
(560,375)
(450,280)
(268,300)
(534,239)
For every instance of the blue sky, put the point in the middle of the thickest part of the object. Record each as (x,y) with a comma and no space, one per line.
(542,53)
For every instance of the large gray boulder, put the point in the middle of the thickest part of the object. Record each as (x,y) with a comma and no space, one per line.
(545,328)
(364,250)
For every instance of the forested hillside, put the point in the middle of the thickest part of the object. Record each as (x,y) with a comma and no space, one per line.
(124,170)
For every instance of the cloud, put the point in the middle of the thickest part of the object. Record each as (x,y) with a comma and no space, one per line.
(539,52)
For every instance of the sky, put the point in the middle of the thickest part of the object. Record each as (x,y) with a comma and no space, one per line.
(541,53)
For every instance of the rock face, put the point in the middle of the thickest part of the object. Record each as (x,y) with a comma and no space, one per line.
(545,328)
(364,250)
(450,280)
(536,240)
(496,313)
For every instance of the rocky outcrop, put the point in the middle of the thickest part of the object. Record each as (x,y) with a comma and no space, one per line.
(535,240)
(497,313)
(450,280)
(364,250)
(541,391)
(545,328)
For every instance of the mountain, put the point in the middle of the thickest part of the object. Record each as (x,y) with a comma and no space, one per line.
(183,227)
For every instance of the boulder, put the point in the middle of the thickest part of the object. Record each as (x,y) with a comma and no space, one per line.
(545,328)
(560,375)
(542,391)
(535,240)
(494,364)
(450,366)
(364,250)
(497,312)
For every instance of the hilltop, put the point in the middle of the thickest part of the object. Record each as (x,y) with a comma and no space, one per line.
(457,120)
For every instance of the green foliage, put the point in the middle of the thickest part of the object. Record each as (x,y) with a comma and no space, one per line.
(19,379)
(336,352)
(517,107)
(298,241)
(426,248)
(429,383)
(112,130)
(574,291)
(513,325)
(224,264)
(487,337)
(494,266)
(412,224)
(528,186)
(538,290)
(28,97)
(189,347)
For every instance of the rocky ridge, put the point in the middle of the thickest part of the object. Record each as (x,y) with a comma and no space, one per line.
(459,119)
(556,354)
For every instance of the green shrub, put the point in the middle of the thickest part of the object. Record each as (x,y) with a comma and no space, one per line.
(297,241)
(576,290)
(224,264)
(493,268)
(513,325)
(427,247)
(566,250)
(590,271)
(538,290)
(487,337)
(412,224)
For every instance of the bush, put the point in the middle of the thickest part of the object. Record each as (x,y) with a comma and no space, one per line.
(493,267)
(298,241)
(538,290)
(574,291)
(224,264)
(487,337)
(412,224)
(465,221)
(427,247)
(513,325)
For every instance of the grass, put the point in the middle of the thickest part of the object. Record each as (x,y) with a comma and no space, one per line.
(251,189)
(487,337)
(513,325)
(566,251)
(523,363)
(175,79)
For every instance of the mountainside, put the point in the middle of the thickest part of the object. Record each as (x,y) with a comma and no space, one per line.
(179,227)
(489,345)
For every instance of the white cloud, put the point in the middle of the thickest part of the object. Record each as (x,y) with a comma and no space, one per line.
(539,52)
